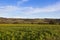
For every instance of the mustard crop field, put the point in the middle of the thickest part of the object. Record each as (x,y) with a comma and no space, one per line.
(29,32)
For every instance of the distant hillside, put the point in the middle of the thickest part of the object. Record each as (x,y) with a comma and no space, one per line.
(30,21)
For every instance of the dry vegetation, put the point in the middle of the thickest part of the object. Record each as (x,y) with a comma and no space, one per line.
(28,21)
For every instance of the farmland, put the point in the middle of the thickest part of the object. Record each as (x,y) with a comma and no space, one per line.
(29,32)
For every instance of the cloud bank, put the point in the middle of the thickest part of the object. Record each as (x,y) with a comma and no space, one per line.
(29,10)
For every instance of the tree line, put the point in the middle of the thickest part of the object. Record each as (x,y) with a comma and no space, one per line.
(28,21)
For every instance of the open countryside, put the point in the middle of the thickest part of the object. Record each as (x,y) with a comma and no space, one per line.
(29,19)
(37,29)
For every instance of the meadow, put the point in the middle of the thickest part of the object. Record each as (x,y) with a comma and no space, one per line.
(29,32)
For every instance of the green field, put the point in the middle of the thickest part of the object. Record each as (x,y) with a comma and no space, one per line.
(29,32)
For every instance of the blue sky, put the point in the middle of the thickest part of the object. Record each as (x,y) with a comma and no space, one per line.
(30,8)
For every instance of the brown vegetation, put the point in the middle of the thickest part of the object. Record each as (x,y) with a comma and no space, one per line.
(28,21)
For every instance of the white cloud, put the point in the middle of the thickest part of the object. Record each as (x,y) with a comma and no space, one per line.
(7,9)
(17,17)
(29,10)
(21,2)
(50,8)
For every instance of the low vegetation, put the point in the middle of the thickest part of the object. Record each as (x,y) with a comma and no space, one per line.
(29,32)
(29,29)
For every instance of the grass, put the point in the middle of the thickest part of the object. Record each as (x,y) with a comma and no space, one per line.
(29,32)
